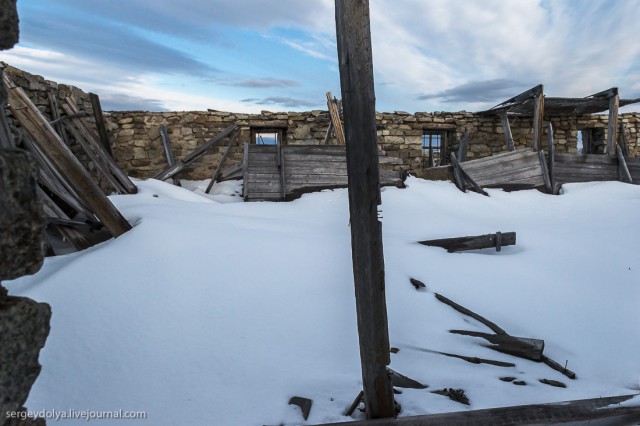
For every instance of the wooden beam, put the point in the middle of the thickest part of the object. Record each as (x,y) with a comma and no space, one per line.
(245,172)
(99,117)
(538,112)
(328,134)
(335,118)
(91,137)
(494,327)
(356,81)
(508,136)
(32,120)
(551,160)
(463,147)
(612,130)
(545,172)
(519,346)
(457,173)
(623,171)
(195,154)
(164,137)
(472,243)
(608,409)
(216,173)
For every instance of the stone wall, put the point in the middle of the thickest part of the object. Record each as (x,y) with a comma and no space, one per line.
(38,89)
(138,148)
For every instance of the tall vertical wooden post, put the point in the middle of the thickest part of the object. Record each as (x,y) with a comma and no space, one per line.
(508,136)
(538,112)
(612,130)
(358,100)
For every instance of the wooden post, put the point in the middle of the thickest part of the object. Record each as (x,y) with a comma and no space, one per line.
(464,146)
(538,112)
(507,131)
(358,97)
(60,155)
(164,137)
(335,118)
(102,130)
(552,160)
(612,131)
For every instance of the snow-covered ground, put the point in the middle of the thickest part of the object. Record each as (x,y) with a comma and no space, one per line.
(215,312)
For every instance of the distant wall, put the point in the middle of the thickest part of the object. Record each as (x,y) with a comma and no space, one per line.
(137,147)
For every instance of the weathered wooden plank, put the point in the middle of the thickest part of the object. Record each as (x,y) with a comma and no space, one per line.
(49,142)
(335,119)
(504,118)
(315,149)
(519,346)
(502,158)
(538,113)
(245,171)
(472,242)
(218,170)
(601,410)
(505,168)
(91,138)
(466,178)
(545,172)
(584,158)
(623,171)
(612,129)
(166,144)
(494,327)
(457,173)
(99,118)
(551,363)
(532,174)
(55,115)
(464,146)
(551,160)
(195,154)
(358,97)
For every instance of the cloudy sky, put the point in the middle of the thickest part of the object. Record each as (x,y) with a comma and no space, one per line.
(280,55)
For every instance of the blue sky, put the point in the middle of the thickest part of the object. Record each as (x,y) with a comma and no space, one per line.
(252,55)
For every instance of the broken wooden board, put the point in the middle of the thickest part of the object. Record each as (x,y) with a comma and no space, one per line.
(583,410)
(497,240)
(522,347)
(518,169)
(307,168)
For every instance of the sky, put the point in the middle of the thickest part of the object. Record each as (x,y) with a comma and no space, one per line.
(253,55)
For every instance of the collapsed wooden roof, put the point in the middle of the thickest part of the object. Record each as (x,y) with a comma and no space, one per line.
(524,103)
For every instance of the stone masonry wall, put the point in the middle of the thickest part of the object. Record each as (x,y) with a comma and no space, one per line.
(138,147)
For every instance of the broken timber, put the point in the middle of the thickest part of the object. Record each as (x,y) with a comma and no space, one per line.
(519,346)
(48,141)
(583,411)
(218,169)
(497,240)
(164,137)
(193,156)
(336,123)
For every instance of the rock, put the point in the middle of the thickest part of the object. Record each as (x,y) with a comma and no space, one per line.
(24,327)
(9,31)
(22,222)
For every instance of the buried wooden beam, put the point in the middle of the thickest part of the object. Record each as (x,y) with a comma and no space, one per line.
(522,347)
(494,327)
(195,154)
(353,33)
(45,137)
(603,410)
(497,240)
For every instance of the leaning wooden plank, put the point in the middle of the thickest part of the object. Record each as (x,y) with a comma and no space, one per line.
(623,171)
(504,118)
(474,186)
(164,137)
(32,120)
(216,173)
(91,138)
(471,314)
(77,239)
(101,166)
(602,410)
(335,119)
(463,148)
(472,242)
(519,346)
(545,172)
(552,161)
(99,118)
(457,173)
(193,156)
(57,120)
(471,359)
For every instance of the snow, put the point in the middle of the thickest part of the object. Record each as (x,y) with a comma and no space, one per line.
(211,311)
